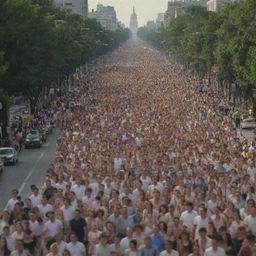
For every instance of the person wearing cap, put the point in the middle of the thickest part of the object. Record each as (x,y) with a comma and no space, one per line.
(54,250)
(215,249)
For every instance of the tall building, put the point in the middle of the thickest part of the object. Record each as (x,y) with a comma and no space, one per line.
(160,21)
(177,7)
(76,6)
(134,22)
(106,16)
(216,5)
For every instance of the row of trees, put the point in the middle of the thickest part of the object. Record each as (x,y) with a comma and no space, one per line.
(41,45)
(226,39)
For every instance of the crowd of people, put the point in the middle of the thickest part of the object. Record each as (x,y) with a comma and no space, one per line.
(145,166)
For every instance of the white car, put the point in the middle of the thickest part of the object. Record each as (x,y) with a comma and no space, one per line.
(1,165)
(248,123)
(9,155)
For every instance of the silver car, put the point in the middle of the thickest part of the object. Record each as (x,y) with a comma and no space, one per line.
(9,155)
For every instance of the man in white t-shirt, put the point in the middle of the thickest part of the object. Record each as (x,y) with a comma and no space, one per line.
(168,250)
(68,210)
(215,249)
(11,203)
(125,242)
(103,248)
(44,207)
(75,247)
(36,197)
(188,216)
(53,226)
(200,221)
(250,221)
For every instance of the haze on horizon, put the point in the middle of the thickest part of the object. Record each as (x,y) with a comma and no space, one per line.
(145,9)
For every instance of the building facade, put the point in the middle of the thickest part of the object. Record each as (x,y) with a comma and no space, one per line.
(106,16)
(216,5)
(76,6)
(176,8)
(134,22)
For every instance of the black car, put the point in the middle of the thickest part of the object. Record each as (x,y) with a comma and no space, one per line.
(33,139)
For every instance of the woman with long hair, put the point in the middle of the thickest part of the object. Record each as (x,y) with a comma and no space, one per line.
(3,247)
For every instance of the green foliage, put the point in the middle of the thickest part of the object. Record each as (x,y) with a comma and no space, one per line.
(226,39)
(40,45)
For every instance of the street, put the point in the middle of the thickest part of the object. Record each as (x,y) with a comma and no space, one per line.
(30,170)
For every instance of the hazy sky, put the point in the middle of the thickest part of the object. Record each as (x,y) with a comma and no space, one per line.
(145,9)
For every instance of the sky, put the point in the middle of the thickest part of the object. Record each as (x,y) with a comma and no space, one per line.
(145,9)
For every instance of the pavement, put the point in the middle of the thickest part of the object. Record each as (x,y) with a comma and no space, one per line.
(31,169)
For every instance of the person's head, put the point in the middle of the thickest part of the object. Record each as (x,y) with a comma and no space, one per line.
(50,215)
(216,239)
(66,253)
(156,230)
(202,232)
(133,244)
(189,206)
(117,239)
(15,193)
(19,246)
(168,245)
(77,214)
(250,239)
(54,248)
(59,236)
(203,212)
(129,232)
(73,238)
(6,231)
(147,241)
(103,239)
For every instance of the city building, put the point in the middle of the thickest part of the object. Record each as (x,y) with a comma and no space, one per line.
(151,25)
(76,6)
(106,16)
(176,8)
(134,22)
(160,21)
(216,5)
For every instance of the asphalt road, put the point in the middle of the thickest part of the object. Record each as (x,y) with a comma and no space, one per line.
(31,169)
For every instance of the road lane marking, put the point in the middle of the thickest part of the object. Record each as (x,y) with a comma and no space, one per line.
(30,173)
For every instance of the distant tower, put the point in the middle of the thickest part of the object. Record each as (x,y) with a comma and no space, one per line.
(134,22)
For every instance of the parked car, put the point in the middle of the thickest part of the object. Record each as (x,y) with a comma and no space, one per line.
(33,139)
(9,155)
(1,165)
(248,123)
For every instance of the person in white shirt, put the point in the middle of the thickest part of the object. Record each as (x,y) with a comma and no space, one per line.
(20,251)
(188,216)
(11,203)
(103,248)
(126,240)
(169,250)
(200,221)
(75,247)
(78,189)
(44,207)
(34,225)
(53,226)
(36,197)
(250,221)
(215,249)
(61,245)
(203,241)
(68,210)
(54,250)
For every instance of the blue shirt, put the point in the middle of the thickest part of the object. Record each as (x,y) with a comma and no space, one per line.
(158,242)
(149,251)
